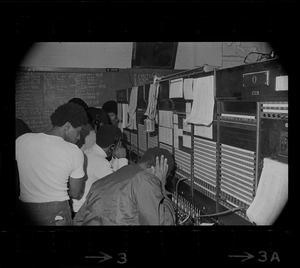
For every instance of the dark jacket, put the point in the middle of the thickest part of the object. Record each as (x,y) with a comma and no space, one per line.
(129,196)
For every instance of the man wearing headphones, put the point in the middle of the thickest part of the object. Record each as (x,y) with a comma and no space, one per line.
(108,145)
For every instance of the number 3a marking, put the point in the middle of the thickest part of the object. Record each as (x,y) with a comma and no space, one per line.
(123,258)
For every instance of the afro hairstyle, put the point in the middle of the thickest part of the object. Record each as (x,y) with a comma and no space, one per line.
(110,107)
(69,112)
(108,135)
(97,113)
(80,102)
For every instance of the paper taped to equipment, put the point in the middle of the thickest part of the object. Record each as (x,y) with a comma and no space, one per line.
(271,195)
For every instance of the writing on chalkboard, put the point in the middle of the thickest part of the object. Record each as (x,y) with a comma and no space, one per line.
(143,78)
(112,69)
(38,94)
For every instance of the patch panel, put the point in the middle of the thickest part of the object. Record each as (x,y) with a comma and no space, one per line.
(238,117)
(274,110)
(205,166)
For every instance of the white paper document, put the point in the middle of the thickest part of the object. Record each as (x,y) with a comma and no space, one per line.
(188,108)
(175,118)
(176,88)
(187,141)
(203,101)
(281,83)
(165,135)
(166,118)
(188,88)
(271,195)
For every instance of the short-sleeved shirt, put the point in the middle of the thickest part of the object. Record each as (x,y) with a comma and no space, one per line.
(45,163)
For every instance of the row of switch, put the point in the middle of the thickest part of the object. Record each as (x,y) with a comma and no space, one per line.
(276,116)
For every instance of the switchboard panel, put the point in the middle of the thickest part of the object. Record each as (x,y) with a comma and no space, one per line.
(237,176)
(205,166)
(218,168)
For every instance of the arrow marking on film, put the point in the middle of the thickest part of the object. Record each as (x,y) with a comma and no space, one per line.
(104,257)
(246,257)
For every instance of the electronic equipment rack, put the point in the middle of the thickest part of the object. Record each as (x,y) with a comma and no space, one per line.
(216,178)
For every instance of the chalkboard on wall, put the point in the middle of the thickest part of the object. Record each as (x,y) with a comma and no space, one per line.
(39,91)
(38,94)
(143,78)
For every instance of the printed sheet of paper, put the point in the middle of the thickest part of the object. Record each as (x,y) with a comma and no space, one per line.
(281,83)
(203,101)
(176,140)
(188,108)
(187,141)
(166,118)
(176,88)
(271,195)
(188,88)
(175,118)
(165,135)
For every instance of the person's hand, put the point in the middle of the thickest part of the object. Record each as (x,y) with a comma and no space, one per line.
(161,169)
(119,151)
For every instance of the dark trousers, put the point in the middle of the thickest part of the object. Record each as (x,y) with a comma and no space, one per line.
(56,213)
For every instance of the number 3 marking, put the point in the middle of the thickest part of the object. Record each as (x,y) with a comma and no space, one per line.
(263,255)
(123,258)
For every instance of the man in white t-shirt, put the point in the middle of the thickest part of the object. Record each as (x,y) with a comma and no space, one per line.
(51,168)
(108,144)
